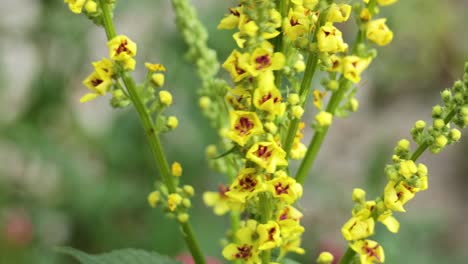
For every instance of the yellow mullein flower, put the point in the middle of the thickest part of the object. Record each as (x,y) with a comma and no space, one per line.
(353,66)
(389,221)
(397,195)
(122,49)
(263,59)
(386,2)
(358,228)
(219,201)
(267,97)
(285,188)
(176,169)
(104,67)
(298,149)
(288,218)
(273,22)
(338,13)
(97,84)
(318,98)
(309,4)
(268,235)
(231,21)
(378,32)
(75,5)
(267,155)
(173,200)
(246,184)
(239,98)
(153,67)
(154,198)
(244,125)
(246,249)
(291,244)
(247,26)
(336,64)
(296,24)
(236,65)
(369,251)
(330,39)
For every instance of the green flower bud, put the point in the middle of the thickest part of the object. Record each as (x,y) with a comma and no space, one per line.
(183,217)
(455,134)
(293,99)
(353,105)
(333,85)
(297,111)
(404,144)
(439,124)
(359,195)
(204,102)
(436,111)
(441,141)
(420,124)
(189,190)
(186,203)
(325,258)
(422,170)
(446,96)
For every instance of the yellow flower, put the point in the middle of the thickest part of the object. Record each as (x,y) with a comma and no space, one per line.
(236,65)
(104,67)
(173,200)
(378,32)
(296,24)
(358,228)
(267,155)
(165,98)
(285,188)
(75,5)
(386,2)
(309,4)
(330,39)
(246,249)
(369,251)
(98,84)
(389,221)
(269,235)
(291,244)
(365,15)
(353,66)
(339,13)
(154,198)
(263,59)
(318,98)
(246,184)
(397,195)
(176,169)
(231,21)
(244,125)
(153,67)
(219,201)
(122,49)
(267,97)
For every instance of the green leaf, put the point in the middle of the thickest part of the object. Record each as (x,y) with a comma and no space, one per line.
(289,261)
(122,256)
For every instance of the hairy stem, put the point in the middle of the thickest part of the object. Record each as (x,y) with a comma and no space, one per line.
(153,138)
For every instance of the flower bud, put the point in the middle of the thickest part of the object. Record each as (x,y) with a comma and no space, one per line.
(183,217)
(154,198)
(420,124)
(439,124)
(408,168)
(165,98)
(186,203)
(455,134)
(172,122)
(333,85)
(293,99)
(422,170)
(359,195)
(176,169)
(353,105)
(271,127)
(299,66)
(211,151)
(189,190)
(441,141)
(91,6)
(158,79)
(325,258)
(297,111)
(404,145)
(204,102)
(324,119)
(436,111)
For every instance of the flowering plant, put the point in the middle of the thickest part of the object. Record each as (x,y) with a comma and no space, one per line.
(281,46)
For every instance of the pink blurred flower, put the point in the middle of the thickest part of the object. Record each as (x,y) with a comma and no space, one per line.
(187,259)
(17,228)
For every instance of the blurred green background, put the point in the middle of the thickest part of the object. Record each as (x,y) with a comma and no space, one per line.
(78,175)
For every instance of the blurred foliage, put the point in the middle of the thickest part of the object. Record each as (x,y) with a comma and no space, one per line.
(64,183)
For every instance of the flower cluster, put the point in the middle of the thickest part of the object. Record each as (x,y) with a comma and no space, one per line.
(405,177)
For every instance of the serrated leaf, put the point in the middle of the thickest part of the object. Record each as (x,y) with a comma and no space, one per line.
(122,256)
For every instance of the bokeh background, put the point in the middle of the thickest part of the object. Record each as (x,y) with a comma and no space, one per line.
(78,175)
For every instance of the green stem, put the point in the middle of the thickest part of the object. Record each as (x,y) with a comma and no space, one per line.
(348,256)
(319,135)
(153,138)
(265,211)
(279,41)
